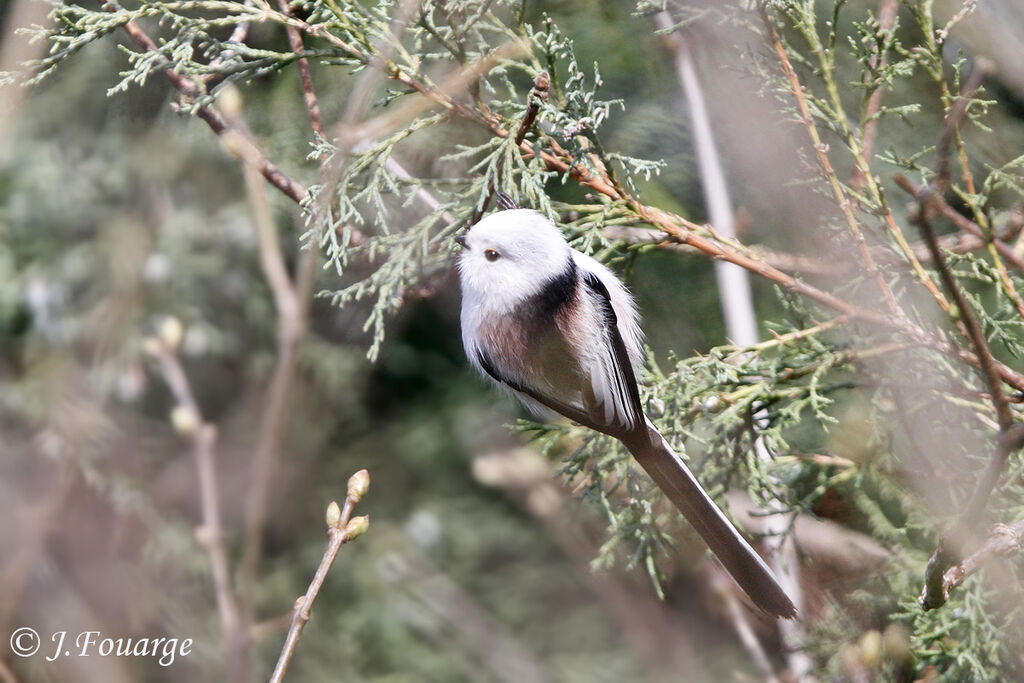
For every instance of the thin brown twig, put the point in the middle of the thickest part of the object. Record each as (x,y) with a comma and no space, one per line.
(945,569)
(1003,540)
(686,232)
(940,205)
(827,66)
(996,251)
(210,535)
(956,109)
(951,127)
(295,299)
(887,11)
(803,264)
(292,302)
(305,77)
(352,132)
(1011,433)
(976,336)
(975,333)
(821,151)
(271,259)
(275,176)
(456,49)
(340,530)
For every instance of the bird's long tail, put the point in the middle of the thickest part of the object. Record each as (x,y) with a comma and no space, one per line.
(674,478)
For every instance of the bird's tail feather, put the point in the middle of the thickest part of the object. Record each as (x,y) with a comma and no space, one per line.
(745,566)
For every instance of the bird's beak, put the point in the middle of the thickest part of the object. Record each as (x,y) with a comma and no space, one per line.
(461,240)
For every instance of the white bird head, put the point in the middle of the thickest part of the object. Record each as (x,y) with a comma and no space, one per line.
(510,256)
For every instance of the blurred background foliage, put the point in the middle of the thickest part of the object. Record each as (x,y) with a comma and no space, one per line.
(118,213)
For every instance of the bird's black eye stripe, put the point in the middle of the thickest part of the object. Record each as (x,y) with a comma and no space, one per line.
(491,255)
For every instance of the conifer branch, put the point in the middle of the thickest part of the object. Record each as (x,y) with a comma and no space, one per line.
(821,151)
(292,189)
(887,11)
(937,203)
(1011,432)
(537,97)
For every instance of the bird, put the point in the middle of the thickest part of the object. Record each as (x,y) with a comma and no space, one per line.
(561,332)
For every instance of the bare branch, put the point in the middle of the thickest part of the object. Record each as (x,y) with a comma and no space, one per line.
(1002,541)
(944,573)
(939,204)
(295,299)
(340,530)
(305,78)
(975,333)
(189,422)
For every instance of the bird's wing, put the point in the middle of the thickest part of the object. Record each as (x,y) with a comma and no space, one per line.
(613,382)
(598,390)
(574,413)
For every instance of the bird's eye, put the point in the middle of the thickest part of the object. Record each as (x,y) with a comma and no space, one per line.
(491,255)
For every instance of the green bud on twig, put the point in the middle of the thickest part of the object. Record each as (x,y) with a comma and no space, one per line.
(184,420)
(171,333)
(333,517)
(357,526)
(358,484)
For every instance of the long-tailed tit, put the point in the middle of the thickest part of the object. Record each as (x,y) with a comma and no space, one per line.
(561,331)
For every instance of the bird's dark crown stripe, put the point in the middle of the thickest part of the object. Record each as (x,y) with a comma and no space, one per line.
(504,201)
